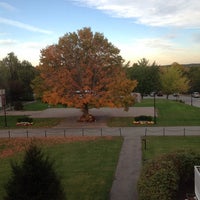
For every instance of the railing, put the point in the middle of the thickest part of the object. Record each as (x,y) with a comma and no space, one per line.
(197,181)
(167,131)
(105,131)
(12,133)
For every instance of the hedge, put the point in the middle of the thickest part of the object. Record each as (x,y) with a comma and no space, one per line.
(143,118)
(162,177)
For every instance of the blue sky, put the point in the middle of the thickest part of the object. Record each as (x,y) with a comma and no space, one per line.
(158,30)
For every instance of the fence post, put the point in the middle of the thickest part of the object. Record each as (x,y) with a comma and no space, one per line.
(120,131)
(145,143)
(27,133)
(163,131)
(45,133)
(82,131)
(9,136)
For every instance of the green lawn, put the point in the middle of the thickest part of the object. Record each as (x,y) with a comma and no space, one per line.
(37,123)
(157,145)
(38,105)
(86,168)
(170,113)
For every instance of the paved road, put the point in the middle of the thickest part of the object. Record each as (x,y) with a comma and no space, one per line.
(188,99)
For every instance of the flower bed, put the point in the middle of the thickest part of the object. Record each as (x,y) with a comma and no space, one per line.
(24,123)
(143,120)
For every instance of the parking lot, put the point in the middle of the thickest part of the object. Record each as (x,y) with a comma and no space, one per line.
(188,99)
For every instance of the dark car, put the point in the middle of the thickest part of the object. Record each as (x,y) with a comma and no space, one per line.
(159,94)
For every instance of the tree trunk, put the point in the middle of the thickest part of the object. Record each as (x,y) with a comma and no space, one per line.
(85,109)
(86,117)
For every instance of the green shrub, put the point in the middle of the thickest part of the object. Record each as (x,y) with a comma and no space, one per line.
(143,118)
(162,177)
(158,180)
(25,119)
(18,105)
(34,179)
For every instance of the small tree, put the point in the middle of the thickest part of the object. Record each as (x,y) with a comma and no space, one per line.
(34,179)
(173,80)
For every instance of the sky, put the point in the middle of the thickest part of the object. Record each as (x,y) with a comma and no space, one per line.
(158,30)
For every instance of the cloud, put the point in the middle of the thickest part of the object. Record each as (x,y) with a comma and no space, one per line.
(7,6)
(196,38)
(157,43)
(23,26)
(181,13)
(7,42)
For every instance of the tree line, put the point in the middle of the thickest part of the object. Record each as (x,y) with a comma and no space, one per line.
(16,78)
(169,79)
(85,70)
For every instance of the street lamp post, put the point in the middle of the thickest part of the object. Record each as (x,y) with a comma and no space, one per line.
(154,106)
(3,104)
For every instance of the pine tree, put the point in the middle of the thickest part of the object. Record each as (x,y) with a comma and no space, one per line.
(34,179)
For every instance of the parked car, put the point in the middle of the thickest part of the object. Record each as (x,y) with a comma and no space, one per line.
(159,94)
(176,94)
(195,94)
(152,94)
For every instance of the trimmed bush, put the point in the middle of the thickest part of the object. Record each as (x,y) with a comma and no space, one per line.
(25,119)
(159,180)
(162,177)
(143,118)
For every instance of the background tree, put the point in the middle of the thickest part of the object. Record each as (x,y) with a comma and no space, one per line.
(26,73)
(16,78)
(82,70)
(34,179)
(147,76)
(173,80)
(194,77)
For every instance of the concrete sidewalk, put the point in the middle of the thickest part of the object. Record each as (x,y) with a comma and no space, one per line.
(128,170)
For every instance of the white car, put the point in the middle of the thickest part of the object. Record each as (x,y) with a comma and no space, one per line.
(195,94)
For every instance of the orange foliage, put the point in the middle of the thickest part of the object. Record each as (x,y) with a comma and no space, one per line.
(85,69)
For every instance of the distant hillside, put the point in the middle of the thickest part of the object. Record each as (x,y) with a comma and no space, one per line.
(186,65)
(192,65)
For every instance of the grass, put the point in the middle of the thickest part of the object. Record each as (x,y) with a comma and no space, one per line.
(86,168)
(38,105)
(170,113)
(120,121)
(37,122)
(158,145)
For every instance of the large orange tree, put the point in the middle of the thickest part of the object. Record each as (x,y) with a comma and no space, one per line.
(84,70)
